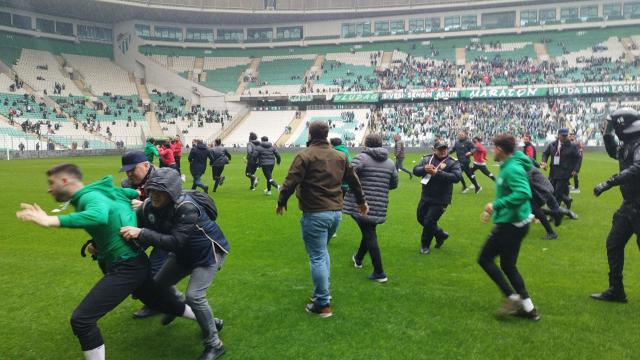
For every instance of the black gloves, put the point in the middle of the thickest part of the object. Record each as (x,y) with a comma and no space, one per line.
(604,186)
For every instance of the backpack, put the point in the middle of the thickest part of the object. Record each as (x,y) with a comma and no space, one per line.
(202,201)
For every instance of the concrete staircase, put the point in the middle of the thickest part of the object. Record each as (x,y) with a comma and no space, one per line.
(295,122)
(237,120)
(253,67)
(627,43)
(315,69)
(461,56)
(154,125)
(199,69)
(387,59)
(541,51)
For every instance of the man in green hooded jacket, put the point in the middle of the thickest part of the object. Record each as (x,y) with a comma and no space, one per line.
(511,214)
(101,210)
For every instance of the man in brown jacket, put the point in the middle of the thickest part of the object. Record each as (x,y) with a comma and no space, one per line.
(317,172)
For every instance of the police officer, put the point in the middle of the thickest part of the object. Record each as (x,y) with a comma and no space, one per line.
(625,123)
(564,165)
(463,148)
(438,172)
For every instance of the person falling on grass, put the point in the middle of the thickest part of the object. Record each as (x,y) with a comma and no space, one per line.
(101,210)
(378,175)
(268,157)
(511,214)
(176,222)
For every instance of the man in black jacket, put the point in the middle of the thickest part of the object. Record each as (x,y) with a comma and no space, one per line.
(219,158)
(198,164)
(174,221)
(267,156)
(439,172)
(626,124)
(564,165)
(252,161)
(463,148)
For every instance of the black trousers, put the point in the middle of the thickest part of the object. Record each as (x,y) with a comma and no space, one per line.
(504,241)
(217,175)
(129,277)
(561,191)
(467,170)
(178,164)
(428,216)
(625,223)
(400,166)
(576,181)
(267,170)
(369,244)
(483,169)
(250,171)
(536,210)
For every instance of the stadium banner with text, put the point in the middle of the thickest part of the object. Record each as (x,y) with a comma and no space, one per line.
(489,93)
(604,89)
(366,97)
(421,94)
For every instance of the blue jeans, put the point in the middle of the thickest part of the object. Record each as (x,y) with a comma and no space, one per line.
(197,182)
(317,229)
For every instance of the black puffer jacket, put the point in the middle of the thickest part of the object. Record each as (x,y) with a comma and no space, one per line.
(176,228)
(439,189)
(251,152)
(219,156)
(198,159)
(377,175)
(461,148)
(628,155)
(267,154)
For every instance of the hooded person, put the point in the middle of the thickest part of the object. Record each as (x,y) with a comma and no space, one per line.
(175,221)
(377,175)
(198,157)
(219,158)
(267,156)
(101,210)
(252,161)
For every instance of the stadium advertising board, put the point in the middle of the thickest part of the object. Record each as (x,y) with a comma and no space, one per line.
(594,89)
(489,93)
(367,97)
(421,94)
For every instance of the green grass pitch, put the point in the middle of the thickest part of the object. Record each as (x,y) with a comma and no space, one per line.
(438,306)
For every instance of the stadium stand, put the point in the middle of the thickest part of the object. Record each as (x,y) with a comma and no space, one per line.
(349,125)
(264,123)
(42,72)
(102,75)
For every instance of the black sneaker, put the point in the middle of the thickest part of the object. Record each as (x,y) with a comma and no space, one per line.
(425,251)
(168,319)
(572,215)
(221,181)
(478,189)
(557,217)
(212,353)
(381,278)
(145,312)
(531,315)
(568,202)
(551,236)
(440,239)
(611,295)
(219,323)
(322,311)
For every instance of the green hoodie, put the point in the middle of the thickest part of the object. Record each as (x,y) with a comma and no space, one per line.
(344,150)
(101,210)
(513,193)
(150,151)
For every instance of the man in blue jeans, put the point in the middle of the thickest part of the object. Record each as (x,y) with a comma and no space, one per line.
(318,172)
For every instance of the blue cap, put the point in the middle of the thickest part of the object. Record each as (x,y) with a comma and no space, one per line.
(563,131)
(132,158)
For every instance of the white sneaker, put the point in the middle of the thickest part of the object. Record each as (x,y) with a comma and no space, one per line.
(183,177)
(255,182)
(465,190)
(575,191)
(266,192)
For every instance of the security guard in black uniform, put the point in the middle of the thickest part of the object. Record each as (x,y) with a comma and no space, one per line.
(625,122)
(564,165)
(438,172)
(464,148)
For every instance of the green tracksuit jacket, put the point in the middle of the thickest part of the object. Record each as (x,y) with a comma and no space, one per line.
(101,210)
(513,193)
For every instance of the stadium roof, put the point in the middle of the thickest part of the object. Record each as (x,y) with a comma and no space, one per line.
(248,11)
